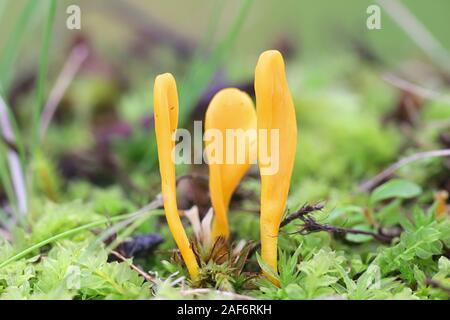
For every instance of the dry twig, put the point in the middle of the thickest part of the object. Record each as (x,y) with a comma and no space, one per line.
(386,173)
(306,209)
(310,225)
(144,274)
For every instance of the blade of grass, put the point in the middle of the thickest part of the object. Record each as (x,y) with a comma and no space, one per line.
(42,74)
(203,71)
(12,44)
(65,234)
(18,141)
(211,30)
(13,159)
(417,32)
(197,59)
(2,9)
(127,231)
(127,225)
(134,219)
(5,178)
(72,65)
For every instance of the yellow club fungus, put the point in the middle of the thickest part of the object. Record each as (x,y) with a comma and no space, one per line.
(275,111)
(232,115)
(165,101)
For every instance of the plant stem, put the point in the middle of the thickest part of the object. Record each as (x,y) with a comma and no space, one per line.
(43,65)
(7,61)
(15,166)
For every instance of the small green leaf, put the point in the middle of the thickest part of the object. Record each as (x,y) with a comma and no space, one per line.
(395,188)
(419,275)
(266,268)
(390,214)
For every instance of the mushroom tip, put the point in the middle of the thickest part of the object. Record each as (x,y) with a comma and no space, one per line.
(270,61)
(271,55)
(231,94)
(164,77)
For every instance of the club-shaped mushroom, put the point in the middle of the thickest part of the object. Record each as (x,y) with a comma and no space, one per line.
(276,153)
(165,101)
(230,139)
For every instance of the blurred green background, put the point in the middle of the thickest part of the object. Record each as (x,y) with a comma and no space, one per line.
(336,69)
(319,28)
(364,99)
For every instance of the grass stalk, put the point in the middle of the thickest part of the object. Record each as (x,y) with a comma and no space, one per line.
(12,44)
(203,71)
(42,74)
(65,234)
(13,160)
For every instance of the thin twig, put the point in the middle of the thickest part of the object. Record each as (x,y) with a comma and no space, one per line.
(306,209)
(386,173)
(144,274)
(15,166)
(114,229)
(310,225)
(70,69)
(415,89)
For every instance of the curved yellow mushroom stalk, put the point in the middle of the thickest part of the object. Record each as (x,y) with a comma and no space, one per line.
(230,139)
(276,152)
(165,101)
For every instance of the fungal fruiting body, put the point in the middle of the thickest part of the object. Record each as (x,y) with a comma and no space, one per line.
(275,111)
(165,102)
(230,139)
